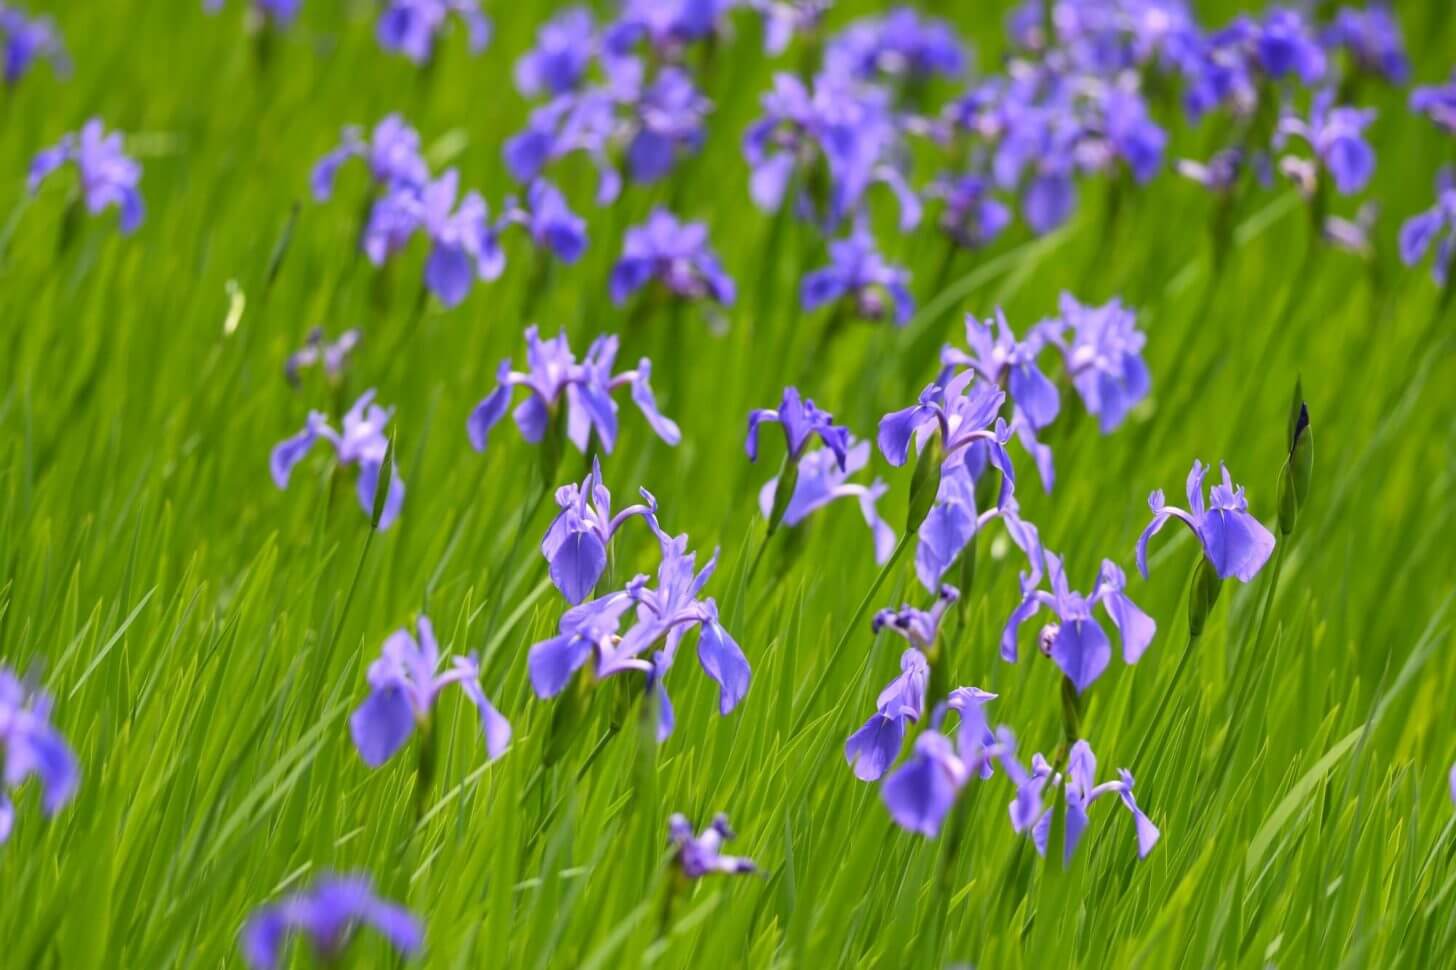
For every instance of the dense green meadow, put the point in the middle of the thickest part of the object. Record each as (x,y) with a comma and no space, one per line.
(205,635)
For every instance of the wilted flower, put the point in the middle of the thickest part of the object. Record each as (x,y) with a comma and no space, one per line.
(1373,40)
(327,914)
(410,27)
(549,221)
(564,48)
(1077,643)
(362,442)
(317,349)
(30,745)
(1436,225)
(699,855)
(392,152)
(403,685)
(663,615)
(108,176)
(857,270)
(1102,349)
(279,13)
(1080,789)
(921,792)
(25,40)
(899,44)
(1336,135)
(576,542)
(1438,103)
(997,357)
(674,253)
(1235,544)
(821,480)
(587,386)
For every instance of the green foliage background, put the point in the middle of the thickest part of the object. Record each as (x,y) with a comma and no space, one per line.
(197,628)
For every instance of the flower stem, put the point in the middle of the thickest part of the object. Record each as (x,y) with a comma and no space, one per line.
(855,621)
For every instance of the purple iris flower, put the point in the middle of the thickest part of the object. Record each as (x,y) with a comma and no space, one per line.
(108,176)
(30,745)
(962,410)
(674,253)
(319,350)
(410,27)
(997,357)
(872,749)
(920,793)
(1373,39)
(857,270)
(362,443)
(899,44)
(821,480)
(1235,543)
(1337,137)
(1219,174)
(26,40)
(1132,134)
(782,19)
(403,685)
(699,855)
(1102,349)
(667,25)
(1077,643)
(1285,45)
(801,420)
(843,138)
(669,118)
(548,219)
(971,216)
(576,542)
(278,13)
(1437,102)
(663,615)
(583,121)
(327,914)
(564,48)
(392,151)
(1437,225)
(553,373)
(1079,785)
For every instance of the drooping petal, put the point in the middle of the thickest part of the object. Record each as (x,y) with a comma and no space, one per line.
(551,663)
(896,429)
(1237,544)
(290,451)
(578,564)
(1034,394)
(486,414)
(1082,651)
(872,749)
(646,402)
(921,792)
(723,661)
(382,724)
(493,725)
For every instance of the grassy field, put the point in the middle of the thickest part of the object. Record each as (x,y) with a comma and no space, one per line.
(205,635)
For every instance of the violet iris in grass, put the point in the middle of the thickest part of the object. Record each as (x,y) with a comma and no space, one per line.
(24,41)
(921,792)
(555,375)
(821,480)
(575,546)
(404,684)
(362,442)
(674,254)
(30,746)
(412,27)
(108,175)
(1433,229)
(327,914)
(701,854)
(1235,543)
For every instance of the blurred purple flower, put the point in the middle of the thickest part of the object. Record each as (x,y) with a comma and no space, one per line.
(782,19)
(554,373)
(30,745)
(1373,39)
(857,271)
(669,118)
(362,443)
(411,27)
(821,480)
(278,13)
(1336,135)
(674,253)
(108,176)
(667,26)
(997,357)
(1235,543)
(1437,225)
(581,121)
(549,221)
(902,43)
(327,914)
(1077,643)
(920,793)
(1102,351)
(576,543)
(403,685)
(317,349)
(872,749)
(1438,103)
(1080,789)
(26,40)
(392,151)
(699,855)
(801,420)
(970,215)
(558,63)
